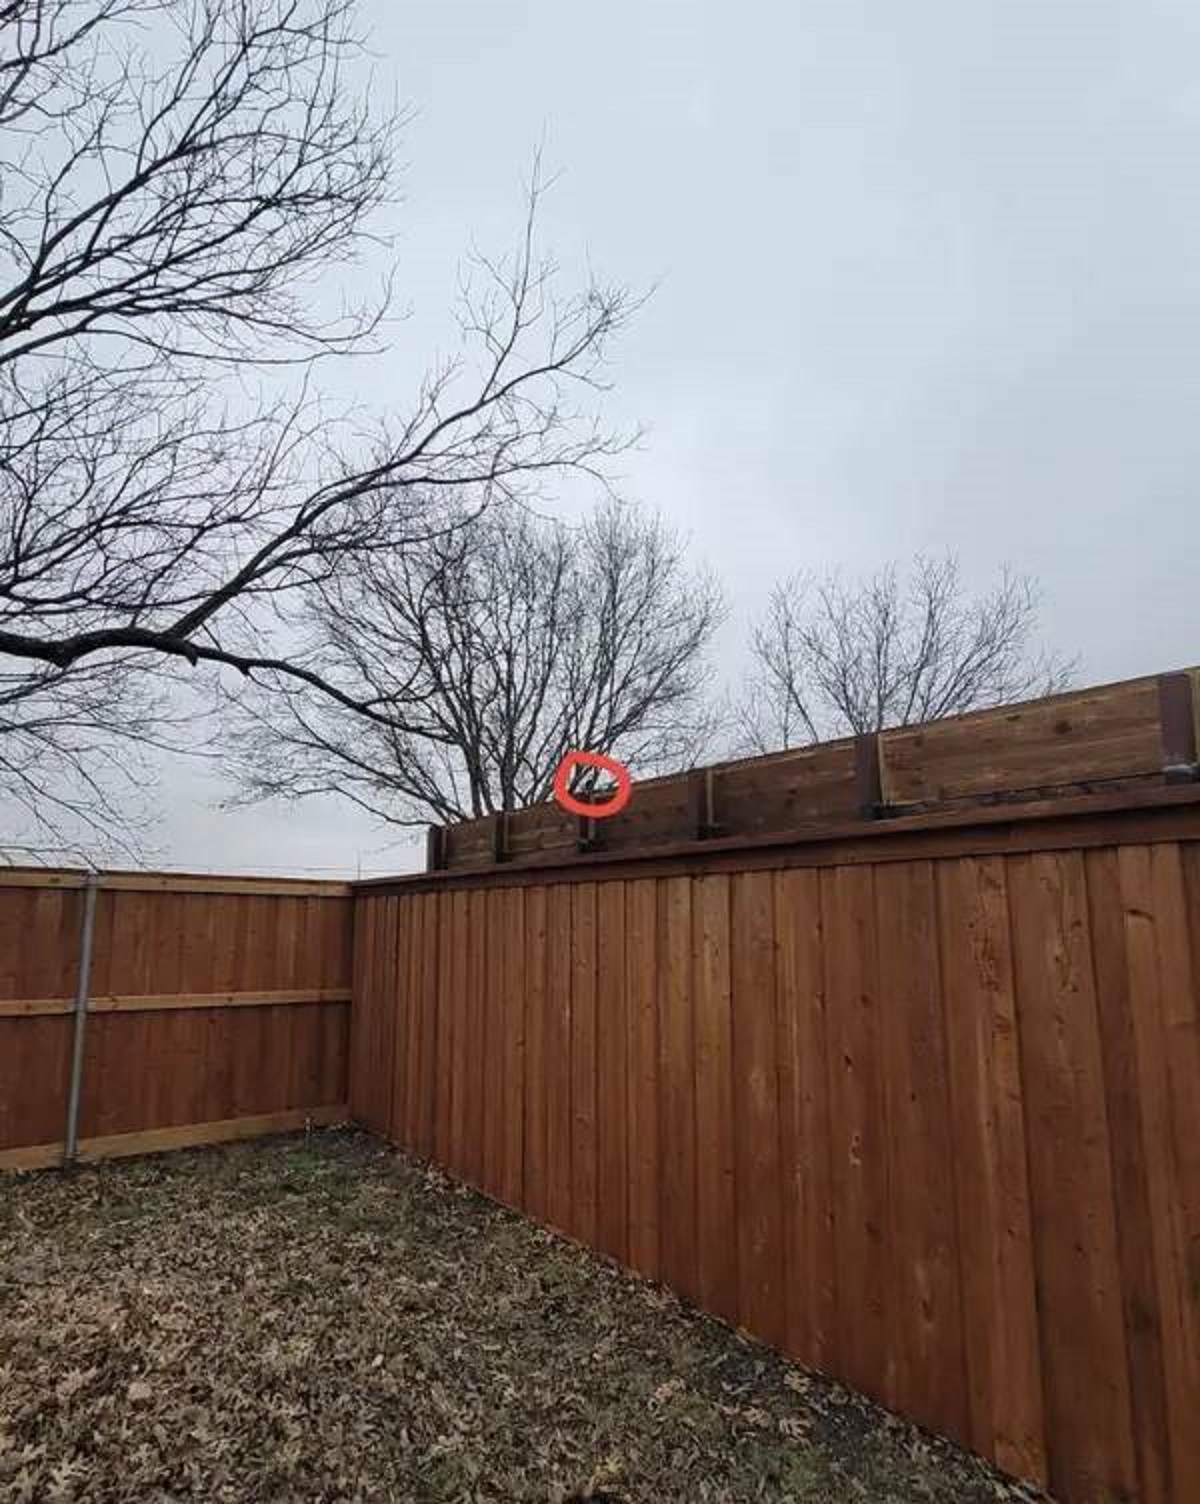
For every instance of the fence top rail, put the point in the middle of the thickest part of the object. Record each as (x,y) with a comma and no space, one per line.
(173,882)
(1141,814)
(1098,739)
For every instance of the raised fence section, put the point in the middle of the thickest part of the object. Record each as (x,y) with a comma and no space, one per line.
(1115,736)
(919,1106)
(215,1008)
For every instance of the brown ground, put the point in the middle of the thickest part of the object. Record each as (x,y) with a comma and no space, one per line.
(325,1320)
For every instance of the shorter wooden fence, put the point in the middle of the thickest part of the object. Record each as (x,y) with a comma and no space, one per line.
(207,1009)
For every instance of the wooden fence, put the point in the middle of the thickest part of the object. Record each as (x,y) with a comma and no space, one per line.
(1107,737)
(212,1008)
(919,1106)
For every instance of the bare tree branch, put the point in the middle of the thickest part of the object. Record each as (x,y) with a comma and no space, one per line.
(834,659)
(490,652)
(177,176)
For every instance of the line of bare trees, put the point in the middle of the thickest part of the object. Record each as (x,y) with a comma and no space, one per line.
(388,606)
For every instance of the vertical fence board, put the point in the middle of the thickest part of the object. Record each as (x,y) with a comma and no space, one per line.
(987,1131)
(716,1168)
(858,1150)
(1167,1054)
(756,1108)
(536,1157)
(1108,925)
(484,1059)
(804,1121)
(582,1062)
(612,1105)
(558,1057)
(641,982)
(926,1365)
(511,959)
(1075,1240)
(677,1088)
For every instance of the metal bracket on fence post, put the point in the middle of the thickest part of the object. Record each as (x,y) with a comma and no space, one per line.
(87,929)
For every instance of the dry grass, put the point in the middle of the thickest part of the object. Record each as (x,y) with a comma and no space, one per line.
(325,1320)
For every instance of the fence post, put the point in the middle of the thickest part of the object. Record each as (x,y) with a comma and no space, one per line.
(500,837)
(1177,727)
(587,837)
(867,775)
(702,804)
(435,848)
(87,929)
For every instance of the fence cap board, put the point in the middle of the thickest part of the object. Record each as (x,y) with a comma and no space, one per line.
(1094,739)
(1100,818)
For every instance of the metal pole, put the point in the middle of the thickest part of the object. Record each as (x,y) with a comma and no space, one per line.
(86,931)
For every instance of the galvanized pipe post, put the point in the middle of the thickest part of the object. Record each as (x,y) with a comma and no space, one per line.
(87,928)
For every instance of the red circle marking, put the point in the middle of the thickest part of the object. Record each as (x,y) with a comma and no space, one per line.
(613,806)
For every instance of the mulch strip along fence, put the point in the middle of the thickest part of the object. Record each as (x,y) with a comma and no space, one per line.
(188,1010)
(915,1099)
(887,1052)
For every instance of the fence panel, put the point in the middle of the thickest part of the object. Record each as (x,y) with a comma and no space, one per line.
(216,1007)
(925,1114)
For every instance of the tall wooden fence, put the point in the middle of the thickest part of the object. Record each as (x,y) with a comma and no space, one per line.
(1124,736)
(921,1108)
(212,1008)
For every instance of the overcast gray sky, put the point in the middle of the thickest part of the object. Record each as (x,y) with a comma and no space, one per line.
(928,278)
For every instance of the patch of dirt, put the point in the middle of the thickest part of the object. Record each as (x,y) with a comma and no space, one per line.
(323,1319)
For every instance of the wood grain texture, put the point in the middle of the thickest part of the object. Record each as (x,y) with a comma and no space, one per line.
(1102,736)
(759,1225)
(1084,1354)
(811,1295)
(716,1206)
(207,1002)
(991,1183)
(677,1089)
(858,1146)
(930,1125)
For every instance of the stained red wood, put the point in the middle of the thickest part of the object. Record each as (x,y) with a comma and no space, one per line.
(804,1121)
(641,981)
(857,1129)
(558,1058)
(511,1046)
(925,1366)
(1166,1038)
(760,1242)
(537,1154)
(612,1073)
(582,1069)
(716,1204)
(496,1026)
(677,1089)
(1004,1384)
(1089,1420)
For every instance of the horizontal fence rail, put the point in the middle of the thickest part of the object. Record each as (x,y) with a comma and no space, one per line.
(1125,736)
(922,1110)
(211,1008)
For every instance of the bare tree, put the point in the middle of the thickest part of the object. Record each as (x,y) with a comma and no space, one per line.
(835,659)
(176,177)
(494,649)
